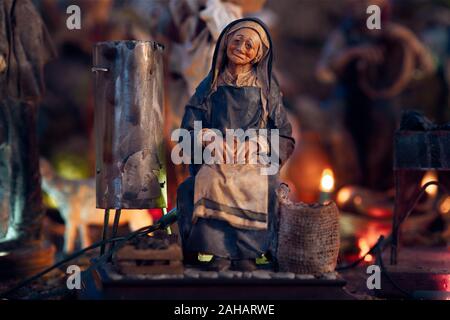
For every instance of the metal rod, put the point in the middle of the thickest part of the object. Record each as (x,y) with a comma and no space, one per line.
(99,69)
(105,231)
(396,226)
(115,226)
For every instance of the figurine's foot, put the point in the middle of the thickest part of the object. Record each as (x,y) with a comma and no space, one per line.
(217,264)
(244,265)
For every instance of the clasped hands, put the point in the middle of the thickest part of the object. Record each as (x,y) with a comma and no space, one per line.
(234,150)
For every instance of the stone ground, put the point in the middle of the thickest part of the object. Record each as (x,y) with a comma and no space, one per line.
(53,285)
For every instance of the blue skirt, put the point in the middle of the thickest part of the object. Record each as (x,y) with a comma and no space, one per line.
(219,238)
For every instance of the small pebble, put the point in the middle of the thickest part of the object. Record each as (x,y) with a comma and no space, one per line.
(261,274)
(283,275)
(115,276)
(304,276)
(190,273)
(163,276)
(209,274)
(330,276)
(230,274)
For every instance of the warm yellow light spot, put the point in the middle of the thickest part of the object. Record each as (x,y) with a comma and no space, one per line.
(204,257)
(344,195)
(327,181)
(262,260)
(445,206)
(428,177)
(364,247)
(49,202)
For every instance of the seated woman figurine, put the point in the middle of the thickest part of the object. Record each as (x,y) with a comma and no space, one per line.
(229,210)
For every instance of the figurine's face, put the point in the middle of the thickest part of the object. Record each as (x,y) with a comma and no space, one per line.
(243,46)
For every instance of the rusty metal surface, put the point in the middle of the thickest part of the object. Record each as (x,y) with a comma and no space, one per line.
(422,150)
(130,165)
(420,145)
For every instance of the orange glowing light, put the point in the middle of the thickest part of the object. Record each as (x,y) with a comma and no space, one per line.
(327,181)
(445,206)
(364,247)
(358,200)
(344,195)
(369,237)
(428,177)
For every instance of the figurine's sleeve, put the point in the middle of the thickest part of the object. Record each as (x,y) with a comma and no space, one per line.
(196,109)
(192,114)
(278,120)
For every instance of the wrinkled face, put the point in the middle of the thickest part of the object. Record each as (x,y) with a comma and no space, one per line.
(243,46)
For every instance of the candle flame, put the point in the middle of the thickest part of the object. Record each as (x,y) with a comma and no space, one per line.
(428,177)
(327,181)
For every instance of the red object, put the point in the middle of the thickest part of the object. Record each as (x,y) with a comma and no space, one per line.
(378,212)
(156,213)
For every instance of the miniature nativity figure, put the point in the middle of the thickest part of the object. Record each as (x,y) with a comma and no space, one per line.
(25,47)
(229,210)
(370,68)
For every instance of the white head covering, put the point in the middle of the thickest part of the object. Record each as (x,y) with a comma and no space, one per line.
(262,65)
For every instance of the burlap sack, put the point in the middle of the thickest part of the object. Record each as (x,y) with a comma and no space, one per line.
(308,240)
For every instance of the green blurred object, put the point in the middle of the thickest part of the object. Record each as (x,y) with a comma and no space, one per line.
(262,260)
(71,166)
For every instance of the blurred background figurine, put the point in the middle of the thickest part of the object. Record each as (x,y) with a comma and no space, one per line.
(25,47)
(75,200)
(370,69)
